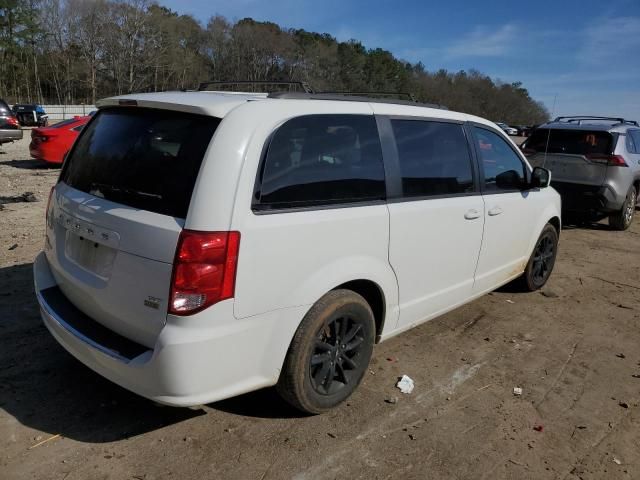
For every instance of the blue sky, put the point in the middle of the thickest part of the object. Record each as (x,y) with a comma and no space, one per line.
(584,53)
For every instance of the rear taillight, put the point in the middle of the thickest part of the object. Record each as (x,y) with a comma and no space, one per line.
(204,270)
(13,121)
(47,211)
(614,160)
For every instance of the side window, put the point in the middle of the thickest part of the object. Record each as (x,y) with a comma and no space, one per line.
(434,158)
(635,137)
(322,160)
(503,169)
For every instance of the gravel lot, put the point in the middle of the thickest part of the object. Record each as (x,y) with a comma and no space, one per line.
(574,348)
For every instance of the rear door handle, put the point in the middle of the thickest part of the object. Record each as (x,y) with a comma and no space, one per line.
(472,214)
(495,211)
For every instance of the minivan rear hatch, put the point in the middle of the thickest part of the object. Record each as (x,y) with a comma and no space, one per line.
(573,156)
(115,216)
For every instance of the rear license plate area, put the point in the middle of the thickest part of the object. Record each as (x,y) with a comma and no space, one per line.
(95,257)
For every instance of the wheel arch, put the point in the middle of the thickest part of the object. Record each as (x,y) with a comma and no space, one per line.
(557,224)
(373,294)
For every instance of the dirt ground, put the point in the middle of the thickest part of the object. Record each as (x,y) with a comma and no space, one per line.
(573,348)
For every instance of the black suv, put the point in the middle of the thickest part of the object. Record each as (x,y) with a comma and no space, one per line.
(31,115)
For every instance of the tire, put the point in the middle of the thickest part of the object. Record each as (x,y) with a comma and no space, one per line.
(319,373)
(622,219)
(542,260)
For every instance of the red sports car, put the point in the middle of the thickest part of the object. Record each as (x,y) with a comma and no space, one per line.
(51,144)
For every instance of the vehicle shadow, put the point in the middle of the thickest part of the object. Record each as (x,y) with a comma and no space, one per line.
(265,403)
(588,226)
(30,164)
(45,388)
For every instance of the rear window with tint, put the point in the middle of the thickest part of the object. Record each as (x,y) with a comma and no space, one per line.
(574,142)
(142,158)
(322,160)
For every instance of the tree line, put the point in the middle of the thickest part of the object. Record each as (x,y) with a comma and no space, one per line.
(77,51)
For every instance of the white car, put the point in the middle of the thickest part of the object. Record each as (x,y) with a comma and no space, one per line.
(507,129)
(200,245)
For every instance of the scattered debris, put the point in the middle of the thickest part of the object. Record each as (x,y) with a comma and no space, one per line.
(45,441)
(332,435)
(487,339)
(405,384)
(24,197)
(625,307)
(635,376)
(391,359)
(412,436)
(616,461)
(517,391)
(538,428)
(620,355)
(623,404)
(510,301)
(13,247)
(391,400)
(549,294)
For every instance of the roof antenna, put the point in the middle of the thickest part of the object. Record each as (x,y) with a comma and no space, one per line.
(546,148)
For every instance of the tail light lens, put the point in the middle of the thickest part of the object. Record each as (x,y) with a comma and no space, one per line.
(204,270)
(48,213)
(13,121)
(614,160)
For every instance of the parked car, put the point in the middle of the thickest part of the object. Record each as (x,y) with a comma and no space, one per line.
(51,144)
(31,115)
(595,163)
(507,129)
(190,267)
(522,130)
(10,130)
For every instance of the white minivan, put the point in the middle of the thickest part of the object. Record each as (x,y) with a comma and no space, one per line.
(200,245)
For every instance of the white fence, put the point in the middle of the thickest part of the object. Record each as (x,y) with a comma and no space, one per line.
(62,112)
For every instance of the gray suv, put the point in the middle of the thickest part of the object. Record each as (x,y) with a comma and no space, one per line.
(595,165)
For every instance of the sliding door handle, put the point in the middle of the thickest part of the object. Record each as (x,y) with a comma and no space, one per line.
(495,211)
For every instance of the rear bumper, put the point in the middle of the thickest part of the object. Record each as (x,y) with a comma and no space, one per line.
(10,135)
(207,357)
(588,198)
(46,155)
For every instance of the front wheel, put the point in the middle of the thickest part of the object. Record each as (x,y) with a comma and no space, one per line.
(329,353)
(542,260)
(621,220)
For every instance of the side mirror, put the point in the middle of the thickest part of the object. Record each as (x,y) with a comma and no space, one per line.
(540,178)
(509,180)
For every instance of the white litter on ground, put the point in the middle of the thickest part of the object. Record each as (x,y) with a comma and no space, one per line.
(405,384)
(517,391)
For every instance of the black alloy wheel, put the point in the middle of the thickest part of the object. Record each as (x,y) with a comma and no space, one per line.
(335,361)
(542,261)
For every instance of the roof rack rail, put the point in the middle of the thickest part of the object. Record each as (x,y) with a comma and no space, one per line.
(391,95)
(302,85)
(580,118)
(349,97)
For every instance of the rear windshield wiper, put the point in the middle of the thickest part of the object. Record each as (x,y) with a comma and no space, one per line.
(98,188)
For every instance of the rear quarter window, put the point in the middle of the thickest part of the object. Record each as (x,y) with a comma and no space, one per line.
(322,160)
(142,158)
